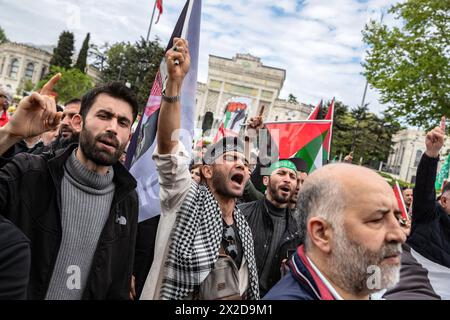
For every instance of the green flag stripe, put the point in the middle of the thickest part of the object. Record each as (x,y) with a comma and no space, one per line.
(310,150)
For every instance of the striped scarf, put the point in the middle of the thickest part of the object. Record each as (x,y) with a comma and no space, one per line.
(195,242)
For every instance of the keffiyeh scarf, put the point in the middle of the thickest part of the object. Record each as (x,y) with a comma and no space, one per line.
(195,242)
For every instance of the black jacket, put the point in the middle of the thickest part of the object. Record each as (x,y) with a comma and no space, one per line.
(261,225)
(430,229)
(15,259)
(30,196)
(414,283)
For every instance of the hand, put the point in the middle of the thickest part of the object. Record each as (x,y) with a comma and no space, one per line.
(47,89)
(255,123)
(349,158)
(35,115)
(179,52)
(434,141)
(253,127)
(133,288)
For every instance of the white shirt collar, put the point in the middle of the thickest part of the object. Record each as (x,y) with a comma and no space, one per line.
(324,280)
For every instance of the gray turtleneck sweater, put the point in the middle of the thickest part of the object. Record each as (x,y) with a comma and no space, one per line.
(86,199)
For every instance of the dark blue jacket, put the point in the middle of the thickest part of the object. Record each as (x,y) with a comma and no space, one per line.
(430,229)
(299,283)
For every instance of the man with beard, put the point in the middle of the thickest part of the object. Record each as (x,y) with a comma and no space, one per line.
(79,209)
(67,130)
(352,242)
(273,227)
(301,176)
(408,197)
(209,230)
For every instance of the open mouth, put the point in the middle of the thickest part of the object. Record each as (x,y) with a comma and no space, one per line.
(238,178)
(285,189)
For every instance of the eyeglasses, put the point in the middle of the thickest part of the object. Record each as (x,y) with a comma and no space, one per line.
(230,237)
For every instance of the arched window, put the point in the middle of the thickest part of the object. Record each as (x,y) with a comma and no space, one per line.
(418,156)
(14,68)
(29,71)
(43,72)
(207,121)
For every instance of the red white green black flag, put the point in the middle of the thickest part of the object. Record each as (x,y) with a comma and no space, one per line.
(309,140)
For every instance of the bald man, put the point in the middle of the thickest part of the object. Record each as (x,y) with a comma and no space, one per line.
(352,237)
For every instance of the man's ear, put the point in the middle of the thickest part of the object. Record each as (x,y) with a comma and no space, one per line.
(76,122)
(443,202)
(320,233)
(266,180)
(207,171)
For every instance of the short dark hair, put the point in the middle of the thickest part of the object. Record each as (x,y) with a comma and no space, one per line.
(193,166)
(74,100)
(113,89)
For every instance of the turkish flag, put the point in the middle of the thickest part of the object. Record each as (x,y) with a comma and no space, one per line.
(160,9)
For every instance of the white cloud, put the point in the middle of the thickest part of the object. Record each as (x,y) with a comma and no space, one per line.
(318,43)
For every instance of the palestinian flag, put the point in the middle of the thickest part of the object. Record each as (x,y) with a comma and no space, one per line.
(305,139)
(329,116)
(315,112)
(234,117)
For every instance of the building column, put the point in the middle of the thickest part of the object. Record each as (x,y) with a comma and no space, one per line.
(218,114)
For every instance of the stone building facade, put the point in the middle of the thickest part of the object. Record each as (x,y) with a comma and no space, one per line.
(20,62)
(243,77)
(408,147)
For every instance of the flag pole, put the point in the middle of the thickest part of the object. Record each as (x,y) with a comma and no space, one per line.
(151,22)
(331,129)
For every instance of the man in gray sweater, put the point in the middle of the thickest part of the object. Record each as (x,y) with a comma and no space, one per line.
(78,208)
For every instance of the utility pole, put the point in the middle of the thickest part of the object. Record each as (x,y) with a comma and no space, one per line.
(363,100)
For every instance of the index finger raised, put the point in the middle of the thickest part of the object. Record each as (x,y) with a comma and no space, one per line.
(48,87)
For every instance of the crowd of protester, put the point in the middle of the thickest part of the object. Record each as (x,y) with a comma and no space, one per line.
(229,227)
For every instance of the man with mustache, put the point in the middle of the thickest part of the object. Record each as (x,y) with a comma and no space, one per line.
(79,209)
(67,130)
(352,237)
(273,227)
(209,230)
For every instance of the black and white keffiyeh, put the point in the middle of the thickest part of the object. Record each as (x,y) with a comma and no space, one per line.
(195,242)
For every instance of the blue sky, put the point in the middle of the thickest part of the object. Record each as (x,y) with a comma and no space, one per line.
(317,42)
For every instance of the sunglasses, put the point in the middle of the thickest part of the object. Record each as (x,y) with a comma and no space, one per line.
(230,237)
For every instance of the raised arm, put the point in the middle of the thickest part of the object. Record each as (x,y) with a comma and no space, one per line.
(178,61)
(424,194)
(35,114)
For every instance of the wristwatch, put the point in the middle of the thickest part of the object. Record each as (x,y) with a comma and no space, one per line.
(170,99)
